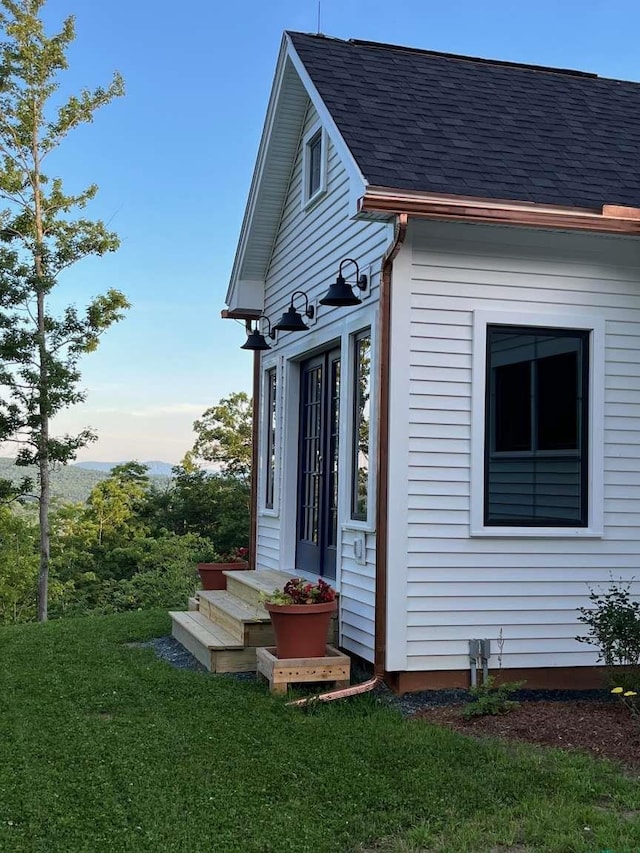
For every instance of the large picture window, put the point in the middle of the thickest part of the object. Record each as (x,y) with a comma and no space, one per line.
(270,448)
(536,427)
(361,426)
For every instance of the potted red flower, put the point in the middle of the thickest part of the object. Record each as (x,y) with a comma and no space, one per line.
(211,574)
(300,613)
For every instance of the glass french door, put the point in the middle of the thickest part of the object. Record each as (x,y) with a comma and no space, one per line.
(317,517)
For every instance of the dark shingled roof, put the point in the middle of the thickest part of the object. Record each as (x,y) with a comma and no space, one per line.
(417,120)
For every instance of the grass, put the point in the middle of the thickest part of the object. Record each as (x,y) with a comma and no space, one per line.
(103,748)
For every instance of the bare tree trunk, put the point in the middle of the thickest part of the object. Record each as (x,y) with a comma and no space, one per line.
(43,464)
(43,576)
(43,390)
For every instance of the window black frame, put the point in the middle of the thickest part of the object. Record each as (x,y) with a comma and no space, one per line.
(584,335)
(315,143)
(270,442)
(356,513)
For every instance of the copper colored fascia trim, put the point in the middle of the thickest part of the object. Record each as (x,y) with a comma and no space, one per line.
(382,501)
(240,314)
(459,208)
(255,432)
(620,211)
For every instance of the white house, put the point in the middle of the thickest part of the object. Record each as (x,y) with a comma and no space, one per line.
(458,450)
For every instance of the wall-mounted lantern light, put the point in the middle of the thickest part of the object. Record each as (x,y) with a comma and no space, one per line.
(291,320)
(255,339)
(340,293)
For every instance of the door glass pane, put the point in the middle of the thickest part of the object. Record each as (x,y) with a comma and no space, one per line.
(311,456)
(317,523)
(332,535)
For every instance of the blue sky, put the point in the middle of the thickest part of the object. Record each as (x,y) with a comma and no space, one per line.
(174,160)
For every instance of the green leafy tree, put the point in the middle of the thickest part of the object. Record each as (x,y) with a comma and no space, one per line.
(198,502)
(223,435)
(116,505)
(42,233)
(18,566)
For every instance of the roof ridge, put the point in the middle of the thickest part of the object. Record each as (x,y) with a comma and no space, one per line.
(506,62)
(568,72)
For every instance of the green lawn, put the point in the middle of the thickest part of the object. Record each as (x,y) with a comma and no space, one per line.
(105,748)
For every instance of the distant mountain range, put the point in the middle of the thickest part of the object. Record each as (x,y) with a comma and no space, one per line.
(156,468)
(74,482)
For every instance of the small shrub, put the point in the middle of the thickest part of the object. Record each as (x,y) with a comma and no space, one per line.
(491,699)
(613,621)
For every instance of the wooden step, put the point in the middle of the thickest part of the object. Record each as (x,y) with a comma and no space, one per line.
(248,624)
(249,586)
(216,649)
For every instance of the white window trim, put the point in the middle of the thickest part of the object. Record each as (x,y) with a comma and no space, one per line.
(365,320)
(596,326)
(352,379)
(307,200)
(274,511)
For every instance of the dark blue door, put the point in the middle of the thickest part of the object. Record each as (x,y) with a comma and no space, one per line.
(317,518)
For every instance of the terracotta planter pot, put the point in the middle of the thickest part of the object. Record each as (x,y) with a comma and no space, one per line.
(211,573)
(301,629)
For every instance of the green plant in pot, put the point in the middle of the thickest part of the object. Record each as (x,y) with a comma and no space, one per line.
(211,574)
(300,613)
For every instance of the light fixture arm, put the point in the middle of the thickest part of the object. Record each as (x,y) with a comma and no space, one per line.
(361,279)
(309,310)
(270,331)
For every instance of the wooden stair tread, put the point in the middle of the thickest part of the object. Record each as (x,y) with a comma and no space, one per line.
(207,633)
(240,610)
(265,580)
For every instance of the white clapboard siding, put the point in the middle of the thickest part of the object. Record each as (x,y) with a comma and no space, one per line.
(307,251)
(268,550)
(449,587)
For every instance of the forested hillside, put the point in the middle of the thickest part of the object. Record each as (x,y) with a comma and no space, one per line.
(70,483)
(132,544)
(125,540)
(73,483)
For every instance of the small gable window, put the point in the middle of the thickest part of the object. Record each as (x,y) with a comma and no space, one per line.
(314,165)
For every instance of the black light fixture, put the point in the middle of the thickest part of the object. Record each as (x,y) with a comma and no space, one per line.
(341,294)
(291,320)
(255,339)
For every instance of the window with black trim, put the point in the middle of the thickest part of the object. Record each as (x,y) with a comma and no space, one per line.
(314,164)
(271,385)
(361,426)
(536,428)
